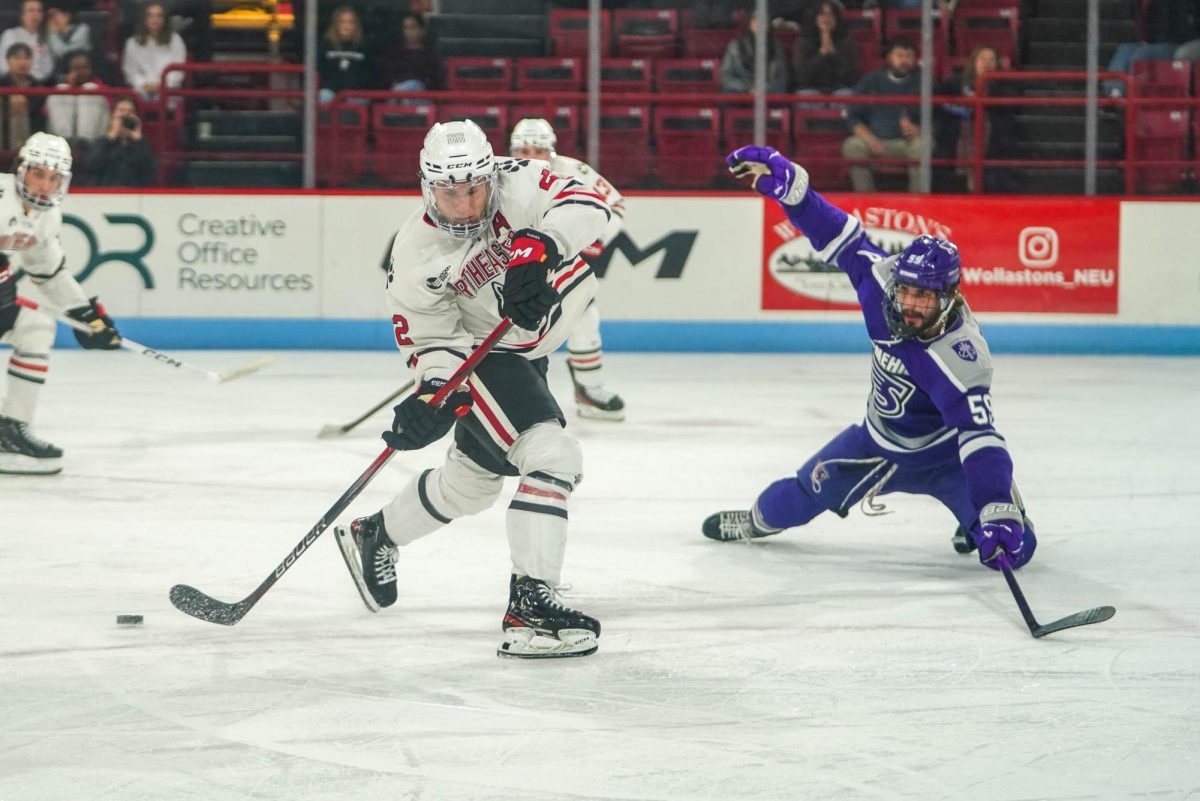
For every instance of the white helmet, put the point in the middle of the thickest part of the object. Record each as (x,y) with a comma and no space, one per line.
(457,155)
(533,132)
(51,153)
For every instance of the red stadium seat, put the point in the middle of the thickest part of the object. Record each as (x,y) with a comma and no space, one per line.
(738,127)
(468,74)
(687,75)
(399,131)
(492,119)
(568,30)
(866,28)
(565,120)
(706,42)
(646,34)
(624,144)
(688,147)
(1160,135)
(341,155)
(1162,78)
(818,135)
(994,27)
(625,75)
(550,74)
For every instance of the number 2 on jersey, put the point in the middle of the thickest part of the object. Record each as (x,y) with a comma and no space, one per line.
(401,326)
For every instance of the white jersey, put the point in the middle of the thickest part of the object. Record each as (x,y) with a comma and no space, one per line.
(574,168)
(30,239)
(444,292)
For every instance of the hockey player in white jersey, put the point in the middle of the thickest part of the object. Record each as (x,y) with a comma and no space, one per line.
(30,221)
(497,237)
(534,138)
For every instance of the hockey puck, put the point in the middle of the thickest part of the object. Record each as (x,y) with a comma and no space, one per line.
(129,620)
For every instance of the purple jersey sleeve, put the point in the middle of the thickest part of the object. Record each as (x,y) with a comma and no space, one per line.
(837,237)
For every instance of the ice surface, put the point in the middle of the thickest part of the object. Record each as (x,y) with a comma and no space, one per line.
(853,659)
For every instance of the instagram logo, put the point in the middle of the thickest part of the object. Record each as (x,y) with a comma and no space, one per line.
(1038,246)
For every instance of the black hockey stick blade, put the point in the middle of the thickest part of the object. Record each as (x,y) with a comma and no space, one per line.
(1084,618)
(204,607)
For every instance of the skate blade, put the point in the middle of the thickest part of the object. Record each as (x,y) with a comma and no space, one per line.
(20,465)
(349,551)
(525,643)
(592,413)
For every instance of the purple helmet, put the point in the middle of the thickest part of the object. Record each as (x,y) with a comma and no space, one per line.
(927,263)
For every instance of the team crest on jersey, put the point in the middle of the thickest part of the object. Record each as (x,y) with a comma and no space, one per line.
(891,392)
(439,280)
(965,350)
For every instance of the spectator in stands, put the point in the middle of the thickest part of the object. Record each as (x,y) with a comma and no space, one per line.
(65,36)
(122,157)
(1169,26)
(77,118)
(954,129)
(886,131)
(414,66)
(737,67)
(20,115)
(151,48)
(825,60)
(343,61)
(32,33)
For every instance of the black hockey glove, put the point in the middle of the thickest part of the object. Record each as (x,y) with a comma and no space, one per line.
(418,424)
(105,336)
(527,297)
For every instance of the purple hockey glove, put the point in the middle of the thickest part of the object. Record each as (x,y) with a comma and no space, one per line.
(1002,537)
(771,173)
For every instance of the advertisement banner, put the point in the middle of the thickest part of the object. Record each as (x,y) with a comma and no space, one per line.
(1032,255)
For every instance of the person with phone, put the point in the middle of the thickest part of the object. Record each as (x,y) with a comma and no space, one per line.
(122,157)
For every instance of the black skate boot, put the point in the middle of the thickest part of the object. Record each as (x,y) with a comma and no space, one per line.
(962,541)
(371,557)
(734,525)
(538,626)
(21,453)
(596,402)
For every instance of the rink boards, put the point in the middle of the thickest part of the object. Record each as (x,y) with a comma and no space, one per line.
(689,272)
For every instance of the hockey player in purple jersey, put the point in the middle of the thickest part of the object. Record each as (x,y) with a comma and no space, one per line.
(928,428)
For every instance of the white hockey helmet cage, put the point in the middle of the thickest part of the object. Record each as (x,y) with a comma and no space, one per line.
(51,153)
(458,156)
(533,132)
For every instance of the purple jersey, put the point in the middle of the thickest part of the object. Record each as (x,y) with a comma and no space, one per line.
(931,398)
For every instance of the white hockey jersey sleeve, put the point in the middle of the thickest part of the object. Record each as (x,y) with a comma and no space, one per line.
(589,177)
(45,263)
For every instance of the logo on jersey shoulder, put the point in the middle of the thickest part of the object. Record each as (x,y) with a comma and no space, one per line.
(965,350)
(439,280)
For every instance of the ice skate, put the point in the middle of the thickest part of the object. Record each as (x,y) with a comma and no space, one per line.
(371,558)
(538,626)
(962,541)
(21,453)
(596,402)
(734,525)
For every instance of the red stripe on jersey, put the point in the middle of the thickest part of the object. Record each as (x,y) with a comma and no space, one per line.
(528,490)
(579,192)
(37,368)
(562,279)
(490,415)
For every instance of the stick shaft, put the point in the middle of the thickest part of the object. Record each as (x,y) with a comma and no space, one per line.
(126,342)
(365,415)
(1022,604)
(235,612)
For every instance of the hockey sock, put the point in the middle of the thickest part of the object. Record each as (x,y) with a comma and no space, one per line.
(26,374)
(537,526)
(784,504)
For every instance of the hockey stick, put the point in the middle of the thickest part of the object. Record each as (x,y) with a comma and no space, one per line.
(195,603)
(1084,618)
(335,430)
(157,355)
